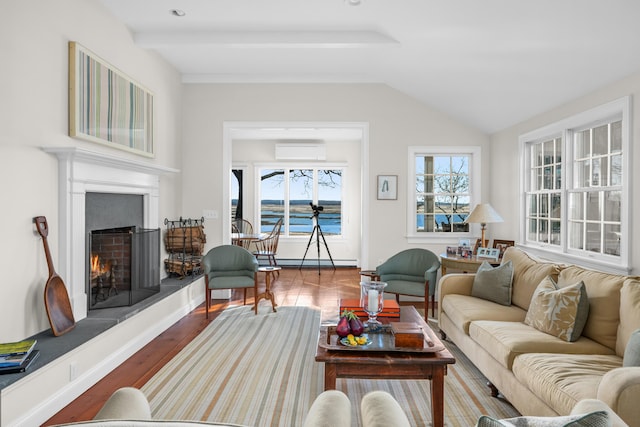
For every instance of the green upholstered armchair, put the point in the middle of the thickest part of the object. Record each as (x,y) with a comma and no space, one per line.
(411,272)
(229,267)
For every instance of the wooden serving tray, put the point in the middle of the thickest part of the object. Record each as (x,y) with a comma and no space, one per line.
(381,340)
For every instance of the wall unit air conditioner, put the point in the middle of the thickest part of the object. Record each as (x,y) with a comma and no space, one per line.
(301,151)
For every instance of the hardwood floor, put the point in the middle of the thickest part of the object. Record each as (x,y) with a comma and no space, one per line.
(292,287)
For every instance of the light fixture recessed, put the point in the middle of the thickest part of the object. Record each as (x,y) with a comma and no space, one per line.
(353,2)
(177,12)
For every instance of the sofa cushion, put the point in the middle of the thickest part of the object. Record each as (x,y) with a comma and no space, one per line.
(561,380)
(559,312)
(507,340)
(603,290)
(528,272)
(493,283)
(629,313)
(592,419)
(632,353)
(464,309)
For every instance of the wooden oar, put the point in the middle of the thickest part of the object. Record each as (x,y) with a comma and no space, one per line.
(56,298)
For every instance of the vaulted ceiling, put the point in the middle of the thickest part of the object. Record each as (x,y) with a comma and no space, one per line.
(487,63)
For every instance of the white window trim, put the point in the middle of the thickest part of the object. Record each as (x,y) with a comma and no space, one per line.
(303,165)
(565,128)
(475,174)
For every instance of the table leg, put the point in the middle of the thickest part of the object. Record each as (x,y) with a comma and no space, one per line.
(330,375)
(268,294)
(437,396)
(256,297)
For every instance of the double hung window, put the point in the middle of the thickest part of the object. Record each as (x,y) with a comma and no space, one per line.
(576,186)
(445,182)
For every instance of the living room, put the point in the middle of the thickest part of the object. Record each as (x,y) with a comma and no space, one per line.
(190,123)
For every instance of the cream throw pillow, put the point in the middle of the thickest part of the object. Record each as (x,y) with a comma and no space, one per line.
(559,312)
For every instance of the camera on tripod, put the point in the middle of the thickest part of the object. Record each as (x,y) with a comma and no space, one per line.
(317,231)
(316,209)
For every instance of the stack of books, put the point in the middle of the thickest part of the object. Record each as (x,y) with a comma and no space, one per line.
(17,356)
(390,308)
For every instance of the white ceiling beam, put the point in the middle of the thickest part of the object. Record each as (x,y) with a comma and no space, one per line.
(264,39)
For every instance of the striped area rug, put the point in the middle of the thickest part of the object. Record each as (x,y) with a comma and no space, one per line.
(260,371)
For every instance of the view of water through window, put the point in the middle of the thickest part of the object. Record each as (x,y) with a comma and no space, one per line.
(292,199)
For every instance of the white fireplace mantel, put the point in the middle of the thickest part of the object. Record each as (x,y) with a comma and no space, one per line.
(81,171)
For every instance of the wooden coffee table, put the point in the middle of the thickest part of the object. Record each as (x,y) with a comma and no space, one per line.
(406,364)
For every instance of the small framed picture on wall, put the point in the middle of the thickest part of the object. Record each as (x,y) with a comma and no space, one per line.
(387,187)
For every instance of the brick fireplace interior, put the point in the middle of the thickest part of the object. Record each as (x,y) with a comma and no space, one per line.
(123,258)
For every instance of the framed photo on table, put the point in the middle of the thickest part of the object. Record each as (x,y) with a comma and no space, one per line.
(490,253)
(107,106)
(502,245)
(387,187)
(477,246)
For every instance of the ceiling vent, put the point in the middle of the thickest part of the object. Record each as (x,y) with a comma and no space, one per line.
(301,151)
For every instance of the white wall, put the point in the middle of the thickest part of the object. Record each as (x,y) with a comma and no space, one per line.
(33,114)
(396,122)
(504,157)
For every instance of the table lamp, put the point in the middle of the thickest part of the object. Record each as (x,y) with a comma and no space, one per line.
(483,214)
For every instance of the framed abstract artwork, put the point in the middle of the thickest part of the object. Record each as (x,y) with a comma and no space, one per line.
(387,187)
(107,106)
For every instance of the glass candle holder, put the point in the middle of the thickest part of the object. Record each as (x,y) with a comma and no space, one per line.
(372,301)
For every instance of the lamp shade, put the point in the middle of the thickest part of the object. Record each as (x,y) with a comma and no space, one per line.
(483,213)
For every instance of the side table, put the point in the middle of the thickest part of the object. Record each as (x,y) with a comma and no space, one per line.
(467,265)
(267,294)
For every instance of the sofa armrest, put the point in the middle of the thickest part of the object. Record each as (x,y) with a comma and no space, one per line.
(586,406)
(620,390)
(331,408)
(454,283)
(380,409)
(126,403)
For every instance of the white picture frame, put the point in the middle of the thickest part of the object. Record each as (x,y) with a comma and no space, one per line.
(464,242)
(489,253)
(387,187)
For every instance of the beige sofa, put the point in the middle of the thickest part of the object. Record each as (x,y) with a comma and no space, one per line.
(539,373)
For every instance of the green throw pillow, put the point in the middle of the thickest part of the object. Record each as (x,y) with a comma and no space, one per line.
(632,350)
(559,312)
(593,419)
(493,283)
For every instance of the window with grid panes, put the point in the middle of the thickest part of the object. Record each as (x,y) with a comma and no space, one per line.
(595,197)
(544,198)
(288,192)
(443,187)
(576,186)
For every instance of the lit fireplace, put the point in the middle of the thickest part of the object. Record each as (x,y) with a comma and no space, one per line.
(103,279)
(123,266)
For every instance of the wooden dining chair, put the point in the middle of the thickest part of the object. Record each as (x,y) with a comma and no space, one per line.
(268,247)
(242,226)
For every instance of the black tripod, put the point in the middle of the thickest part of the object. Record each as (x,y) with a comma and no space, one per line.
(317,231)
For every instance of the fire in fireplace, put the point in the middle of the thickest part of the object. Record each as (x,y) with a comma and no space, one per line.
(124,266)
